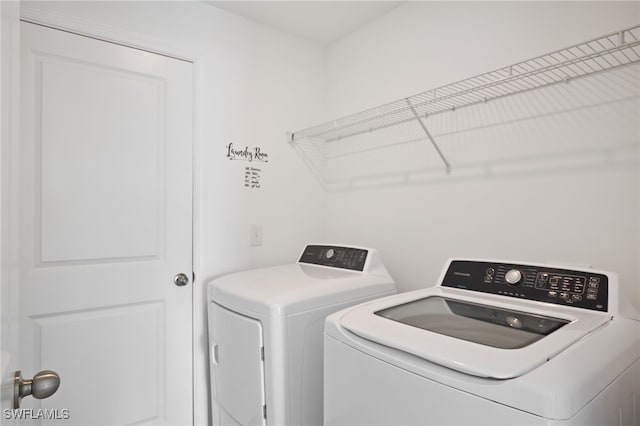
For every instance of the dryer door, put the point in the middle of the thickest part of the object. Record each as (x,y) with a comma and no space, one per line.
(237,367)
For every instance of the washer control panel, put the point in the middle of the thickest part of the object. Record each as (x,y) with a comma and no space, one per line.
(559,286)
(335,257)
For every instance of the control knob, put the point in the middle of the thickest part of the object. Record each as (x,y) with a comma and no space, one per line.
(513,277)
(330,253)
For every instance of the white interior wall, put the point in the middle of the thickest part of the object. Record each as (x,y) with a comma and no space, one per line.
(253,84)
(549,176)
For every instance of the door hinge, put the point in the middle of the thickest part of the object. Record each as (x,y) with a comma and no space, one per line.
(262,353)
(264,411)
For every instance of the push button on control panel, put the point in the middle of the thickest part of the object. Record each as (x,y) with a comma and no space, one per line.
(489,275)
(513,277)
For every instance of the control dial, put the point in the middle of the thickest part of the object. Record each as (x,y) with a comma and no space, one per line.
(330,253)
(513,277)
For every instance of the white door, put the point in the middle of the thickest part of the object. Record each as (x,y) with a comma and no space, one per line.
(105,226)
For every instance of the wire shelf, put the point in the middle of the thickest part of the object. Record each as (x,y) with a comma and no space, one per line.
(602,54)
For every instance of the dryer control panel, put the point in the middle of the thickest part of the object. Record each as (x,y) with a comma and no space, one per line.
(335,257)
(580,289)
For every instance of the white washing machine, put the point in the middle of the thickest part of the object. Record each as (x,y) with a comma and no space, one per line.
(493,343)
(266,332)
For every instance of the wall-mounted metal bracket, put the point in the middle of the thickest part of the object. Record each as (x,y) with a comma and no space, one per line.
(433,142)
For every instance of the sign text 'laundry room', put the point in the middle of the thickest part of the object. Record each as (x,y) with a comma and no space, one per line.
(246,154)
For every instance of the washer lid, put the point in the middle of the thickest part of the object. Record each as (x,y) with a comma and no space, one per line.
(482,335)
(474,322)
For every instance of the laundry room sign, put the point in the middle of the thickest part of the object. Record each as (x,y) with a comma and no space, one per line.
(255,153)
(252,174)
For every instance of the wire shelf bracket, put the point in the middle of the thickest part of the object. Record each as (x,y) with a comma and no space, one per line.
(433,142)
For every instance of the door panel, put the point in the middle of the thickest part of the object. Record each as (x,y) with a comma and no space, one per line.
(118,150)
(141,363)
(105,225)
(237,367)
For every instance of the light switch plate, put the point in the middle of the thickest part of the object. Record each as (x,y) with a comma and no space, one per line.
(255,238)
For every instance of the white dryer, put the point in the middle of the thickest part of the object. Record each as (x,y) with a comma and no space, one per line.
(266,332)
(493,343)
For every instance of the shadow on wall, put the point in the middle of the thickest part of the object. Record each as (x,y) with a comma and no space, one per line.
(587,124)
